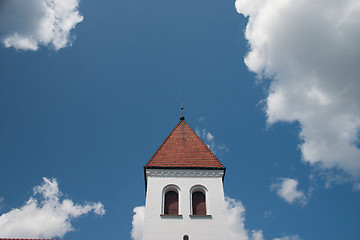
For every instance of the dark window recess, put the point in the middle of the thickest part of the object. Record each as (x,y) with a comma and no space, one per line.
(171,203)
(198,203)
(186,237)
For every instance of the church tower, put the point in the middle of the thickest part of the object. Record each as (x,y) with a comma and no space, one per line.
(184,190)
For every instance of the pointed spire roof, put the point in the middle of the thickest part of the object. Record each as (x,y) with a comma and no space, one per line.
(183,148)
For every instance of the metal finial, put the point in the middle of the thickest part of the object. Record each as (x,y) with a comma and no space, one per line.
(182,107)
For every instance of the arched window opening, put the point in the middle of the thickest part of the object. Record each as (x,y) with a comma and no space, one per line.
(186,237)
(198,203)
(171,205)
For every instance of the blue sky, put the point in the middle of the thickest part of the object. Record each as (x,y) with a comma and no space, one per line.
(91,112)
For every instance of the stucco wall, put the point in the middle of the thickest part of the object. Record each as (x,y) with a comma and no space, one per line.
(197,228)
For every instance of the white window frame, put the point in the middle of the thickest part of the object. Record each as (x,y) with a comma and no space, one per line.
(203,189)
(167,188)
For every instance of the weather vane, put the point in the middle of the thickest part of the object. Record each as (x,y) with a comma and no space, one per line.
(182,107)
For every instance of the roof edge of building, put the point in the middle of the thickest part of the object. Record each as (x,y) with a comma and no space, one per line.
(198,168)
(194,168)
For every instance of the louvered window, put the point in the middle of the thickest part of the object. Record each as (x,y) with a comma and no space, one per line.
(198,203)
(171,205)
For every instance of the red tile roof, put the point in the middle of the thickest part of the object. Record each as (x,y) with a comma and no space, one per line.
(183,149)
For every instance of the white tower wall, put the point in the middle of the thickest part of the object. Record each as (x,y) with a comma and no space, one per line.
(161,227)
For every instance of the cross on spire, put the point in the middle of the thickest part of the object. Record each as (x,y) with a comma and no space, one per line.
(182,107)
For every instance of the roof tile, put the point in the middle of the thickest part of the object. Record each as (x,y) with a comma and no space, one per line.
(183,148)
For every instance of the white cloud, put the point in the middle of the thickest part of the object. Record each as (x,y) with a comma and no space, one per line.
(46,216)
(286,188)
(310,51)
(236,222)
(28,24)
(289,237)
(209,140)
(138,223)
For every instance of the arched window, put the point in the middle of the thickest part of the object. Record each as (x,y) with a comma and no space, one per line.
(171,205)
(186,237)
(198,203)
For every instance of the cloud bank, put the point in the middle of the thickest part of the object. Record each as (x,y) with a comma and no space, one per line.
(46,216)
(286,188)
(28,24)
(310,52)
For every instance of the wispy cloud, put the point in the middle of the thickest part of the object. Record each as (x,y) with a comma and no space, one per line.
(312,64)
(356,187)
(44,215)
(287,189)
(289,237)
(209,140)
(202,119)
(1,201)
(27,25)
(267,214)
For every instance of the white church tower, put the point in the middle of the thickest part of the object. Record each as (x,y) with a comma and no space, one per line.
(184,190)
